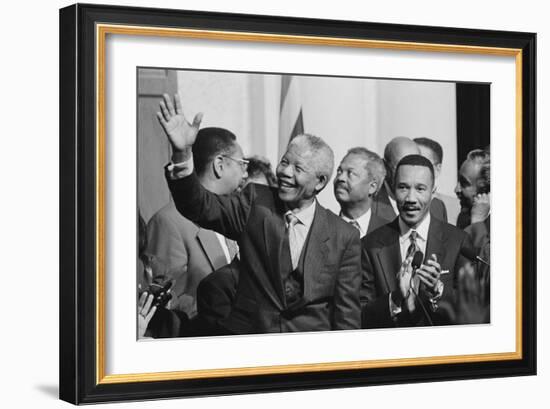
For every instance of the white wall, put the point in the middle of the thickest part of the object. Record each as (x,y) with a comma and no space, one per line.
(421,109)
(346,112)
(29,240)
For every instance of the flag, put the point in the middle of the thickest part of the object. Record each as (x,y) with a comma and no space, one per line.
(291,120)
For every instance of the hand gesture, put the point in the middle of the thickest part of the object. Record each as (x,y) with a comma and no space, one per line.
(408,284)
(429,275)
(145,311)
(181,133)
(481,207)
(472,305)
(404,277)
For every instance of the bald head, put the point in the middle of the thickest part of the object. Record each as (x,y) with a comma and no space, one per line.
(395,150)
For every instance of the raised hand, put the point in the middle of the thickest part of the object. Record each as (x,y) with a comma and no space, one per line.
(471,305)
(481,207)
(180,132)
(145,310)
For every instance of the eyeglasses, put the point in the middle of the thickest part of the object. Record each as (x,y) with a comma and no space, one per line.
(243,162)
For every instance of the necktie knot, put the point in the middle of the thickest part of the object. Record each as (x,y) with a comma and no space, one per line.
(355,224)
(291,219)
(413,236)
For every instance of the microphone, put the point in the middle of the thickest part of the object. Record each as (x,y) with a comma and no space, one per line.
(417,260)
(472,256)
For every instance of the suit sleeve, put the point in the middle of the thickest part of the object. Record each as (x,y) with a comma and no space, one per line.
(461,261)
(375,307)
(347,306)
(225,214)
(438,209)
(165,243)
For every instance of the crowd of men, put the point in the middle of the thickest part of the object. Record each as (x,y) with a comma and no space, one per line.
(242,250)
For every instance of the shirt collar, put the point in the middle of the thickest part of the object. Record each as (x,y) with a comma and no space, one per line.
(305,216)
(362,220)
(421,229)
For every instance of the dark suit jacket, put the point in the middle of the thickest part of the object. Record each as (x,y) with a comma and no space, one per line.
(375,222)
(381,260)
(382,207)
(215,296)
(480,235)
(255,218)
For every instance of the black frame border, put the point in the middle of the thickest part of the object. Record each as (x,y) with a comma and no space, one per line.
(78,197)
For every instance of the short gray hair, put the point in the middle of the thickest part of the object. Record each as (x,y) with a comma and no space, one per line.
(322,154)
(375,165)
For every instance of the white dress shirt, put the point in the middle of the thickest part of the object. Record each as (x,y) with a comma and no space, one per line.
(421,235)
(362,221)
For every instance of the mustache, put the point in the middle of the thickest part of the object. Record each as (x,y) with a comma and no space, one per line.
(343,185)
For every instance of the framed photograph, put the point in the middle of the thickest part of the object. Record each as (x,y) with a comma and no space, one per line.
(258,203)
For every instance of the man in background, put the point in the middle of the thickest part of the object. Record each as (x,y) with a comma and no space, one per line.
(259,171)
(473,188)
(187,252)
(216,292)
(358,179)
(385,205)
(434,152)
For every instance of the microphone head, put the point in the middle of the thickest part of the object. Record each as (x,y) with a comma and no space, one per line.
(468,253)
(417,259)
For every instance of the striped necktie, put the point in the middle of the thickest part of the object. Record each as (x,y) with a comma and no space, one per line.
(291,221)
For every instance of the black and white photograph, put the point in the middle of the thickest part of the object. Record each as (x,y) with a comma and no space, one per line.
(256,203)
(280,202)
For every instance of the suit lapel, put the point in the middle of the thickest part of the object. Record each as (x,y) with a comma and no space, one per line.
(389,255)
(212,249)
(436,240)
(316,250)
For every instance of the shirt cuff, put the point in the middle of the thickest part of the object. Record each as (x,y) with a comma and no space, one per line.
(439,287)
(179,170)
(394,308)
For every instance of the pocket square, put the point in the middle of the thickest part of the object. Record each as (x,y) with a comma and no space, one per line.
(445,272)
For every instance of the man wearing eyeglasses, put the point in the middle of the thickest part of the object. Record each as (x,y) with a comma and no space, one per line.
(300,263)
(187,252)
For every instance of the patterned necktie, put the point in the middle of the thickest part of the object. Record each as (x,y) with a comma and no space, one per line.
(413,247)
(291,221)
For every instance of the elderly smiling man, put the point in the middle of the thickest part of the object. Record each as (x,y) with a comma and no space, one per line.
(300,263)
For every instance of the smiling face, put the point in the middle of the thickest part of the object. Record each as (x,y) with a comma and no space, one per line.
(414,186)
(353,183)
(298,179)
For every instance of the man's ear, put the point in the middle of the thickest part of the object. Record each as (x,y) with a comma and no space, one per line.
(218,166)
(437,170)
(323,180)
(373,188)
